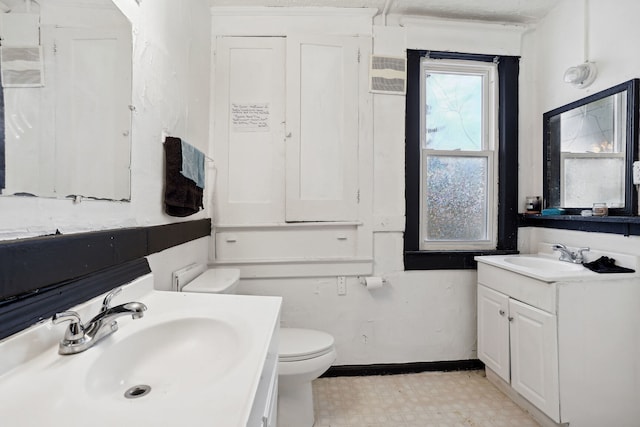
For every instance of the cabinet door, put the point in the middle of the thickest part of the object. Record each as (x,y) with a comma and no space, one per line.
(493,331)
(322,128)
(248,143)
(534,357)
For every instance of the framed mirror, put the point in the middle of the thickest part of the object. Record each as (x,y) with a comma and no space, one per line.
(589,149)
(66,80)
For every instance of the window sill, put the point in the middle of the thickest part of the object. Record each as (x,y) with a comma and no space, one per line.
(447,260)
(625,225)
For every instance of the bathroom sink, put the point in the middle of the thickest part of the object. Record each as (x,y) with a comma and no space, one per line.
(541,267)
(545,264)
(168,357)
(200,355)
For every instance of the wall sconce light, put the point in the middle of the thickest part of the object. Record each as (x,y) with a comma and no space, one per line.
(581,75)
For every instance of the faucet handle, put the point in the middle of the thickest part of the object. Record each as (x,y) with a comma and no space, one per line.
(75,331)
(579,252)
(106,303)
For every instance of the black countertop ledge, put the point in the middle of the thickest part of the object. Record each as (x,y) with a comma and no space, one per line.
(625,225)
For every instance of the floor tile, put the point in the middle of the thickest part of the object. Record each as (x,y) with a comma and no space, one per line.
(428,399)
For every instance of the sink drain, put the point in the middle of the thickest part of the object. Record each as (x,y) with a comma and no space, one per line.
(137,391)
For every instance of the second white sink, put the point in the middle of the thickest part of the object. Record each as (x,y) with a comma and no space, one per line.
(539,267)
(545,264)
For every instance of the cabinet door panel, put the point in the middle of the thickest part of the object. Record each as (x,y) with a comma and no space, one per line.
(493,331)
(322,128)
(534,357)
(249,130)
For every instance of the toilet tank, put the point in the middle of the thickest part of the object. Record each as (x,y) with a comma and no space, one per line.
(207,280)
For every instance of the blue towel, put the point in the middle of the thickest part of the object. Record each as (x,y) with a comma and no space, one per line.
(192,164)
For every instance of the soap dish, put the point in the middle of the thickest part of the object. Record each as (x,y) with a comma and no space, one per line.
(553,211)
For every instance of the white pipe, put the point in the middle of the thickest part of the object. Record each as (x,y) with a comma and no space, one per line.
(586,31)
(385,11)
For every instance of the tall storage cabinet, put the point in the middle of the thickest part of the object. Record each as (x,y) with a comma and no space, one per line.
(292,145)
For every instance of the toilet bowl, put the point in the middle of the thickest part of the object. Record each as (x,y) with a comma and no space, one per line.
(303,354)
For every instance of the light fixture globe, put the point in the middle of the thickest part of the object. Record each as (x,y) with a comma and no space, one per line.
(581,75)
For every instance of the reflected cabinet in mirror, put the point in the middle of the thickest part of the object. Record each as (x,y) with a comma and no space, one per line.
(589,149)
(66,76)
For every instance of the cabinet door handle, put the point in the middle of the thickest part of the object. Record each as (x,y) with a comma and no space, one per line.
(501,312)
(510,318)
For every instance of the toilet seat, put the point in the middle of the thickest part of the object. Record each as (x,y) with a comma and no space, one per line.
(303,344)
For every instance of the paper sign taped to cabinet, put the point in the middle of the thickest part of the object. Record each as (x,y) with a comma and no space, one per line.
(251,117)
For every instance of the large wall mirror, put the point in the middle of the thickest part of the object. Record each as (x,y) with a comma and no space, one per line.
(589,149)
(66,76)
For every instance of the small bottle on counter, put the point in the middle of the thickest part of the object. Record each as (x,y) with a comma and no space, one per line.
(600,209)
(533,204)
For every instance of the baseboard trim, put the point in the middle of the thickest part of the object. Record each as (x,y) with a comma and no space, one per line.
(402,368)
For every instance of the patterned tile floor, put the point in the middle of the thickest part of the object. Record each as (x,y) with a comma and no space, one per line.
(429,399)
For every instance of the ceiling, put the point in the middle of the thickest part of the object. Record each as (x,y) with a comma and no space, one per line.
(509,11)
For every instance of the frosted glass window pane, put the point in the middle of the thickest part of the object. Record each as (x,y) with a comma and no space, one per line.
(455,202)
(581,190)
(453,112)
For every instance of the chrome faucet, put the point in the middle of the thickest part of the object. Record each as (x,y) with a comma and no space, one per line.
(568,255)
(79,337)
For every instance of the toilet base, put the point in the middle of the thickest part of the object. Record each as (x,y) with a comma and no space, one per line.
(295,405)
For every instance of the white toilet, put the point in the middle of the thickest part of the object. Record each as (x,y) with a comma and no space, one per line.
(304,354)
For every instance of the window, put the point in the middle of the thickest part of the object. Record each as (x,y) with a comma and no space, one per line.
(458,146)
(461,158)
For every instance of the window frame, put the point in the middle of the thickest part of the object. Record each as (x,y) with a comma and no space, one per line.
(487,71)
(507,170)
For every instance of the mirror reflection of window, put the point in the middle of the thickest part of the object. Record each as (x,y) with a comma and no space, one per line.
(593,142)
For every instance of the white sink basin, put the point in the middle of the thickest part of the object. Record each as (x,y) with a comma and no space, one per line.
(172,357)
(201,354)
(539,267)
(544,264)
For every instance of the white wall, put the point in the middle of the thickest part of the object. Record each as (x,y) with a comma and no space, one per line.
(418,316)
(171,56)
(556,44)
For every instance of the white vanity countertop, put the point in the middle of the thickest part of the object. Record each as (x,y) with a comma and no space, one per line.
(194,381)
(547,267)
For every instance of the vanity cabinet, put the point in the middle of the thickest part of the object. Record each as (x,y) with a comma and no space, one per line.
(264,411)
(566,348)
(520,344)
